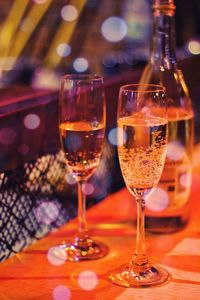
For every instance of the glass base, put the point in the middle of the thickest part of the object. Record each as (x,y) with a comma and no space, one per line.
(86,250)
(127,277)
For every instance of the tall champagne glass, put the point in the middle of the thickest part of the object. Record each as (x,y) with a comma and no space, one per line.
(142,138)
(82,118)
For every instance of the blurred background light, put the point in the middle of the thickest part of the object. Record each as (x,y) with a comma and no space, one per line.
(175,151)
(69,13)
(70,178)
(80,64)
(87,280)
(110,59)
(104,37)
(116,136)
(45,78)
(47,212)
(137,16)
(185,180)
(61,292)
(88,188)
(32,121)
(114,29)
(23,149)
(157,200)
(194,47)
(112,136)
(57,255)
(73,142)
(7,136)
(63,50)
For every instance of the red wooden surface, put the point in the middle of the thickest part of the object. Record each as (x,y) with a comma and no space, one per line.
(31,274)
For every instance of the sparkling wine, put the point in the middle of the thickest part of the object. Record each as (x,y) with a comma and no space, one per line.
(141,150)
(169,201)
(82,144)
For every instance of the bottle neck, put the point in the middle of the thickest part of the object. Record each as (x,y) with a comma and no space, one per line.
(163,42)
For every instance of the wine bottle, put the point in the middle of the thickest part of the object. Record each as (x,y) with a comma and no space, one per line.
(167,208)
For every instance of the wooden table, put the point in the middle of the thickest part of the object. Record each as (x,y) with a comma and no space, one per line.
(33,274)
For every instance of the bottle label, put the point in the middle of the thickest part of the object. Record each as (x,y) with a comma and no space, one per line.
(176,181)
(172,192)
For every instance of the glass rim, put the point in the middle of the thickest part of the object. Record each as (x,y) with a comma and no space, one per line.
(140,87)
(84,77)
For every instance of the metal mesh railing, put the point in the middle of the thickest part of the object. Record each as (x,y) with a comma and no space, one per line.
(41,195)
(31,202)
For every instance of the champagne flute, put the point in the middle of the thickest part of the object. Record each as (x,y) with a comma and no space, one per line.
(82,118)
(142,139)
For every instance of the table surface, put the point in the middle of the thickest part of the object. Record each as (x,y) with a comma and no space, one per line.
(34,274)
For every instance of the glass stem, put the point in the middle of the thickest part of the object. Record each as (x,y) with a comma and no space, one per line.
(140,261)
(82,225)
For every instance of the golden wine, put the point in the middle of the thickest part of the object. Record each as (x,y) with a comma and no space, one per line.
(175,182)
(82,144)
(141,150)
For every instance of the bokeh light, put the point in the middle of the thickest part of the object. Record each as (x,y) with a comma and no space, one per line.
(80,64)
(63,50)
(69,13)
(70,178)
(7,136)
(47,212)
(87,188)
(114,29)
(73,142)
(114,58)
(45,78)
(157,200)
(61,292)
(136,14)
(112,136)
(110,60)
(87,280)
(117,136)
(194,47)
(185,180)
(23,149)
(32,121)
(57,255)
(175,151)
